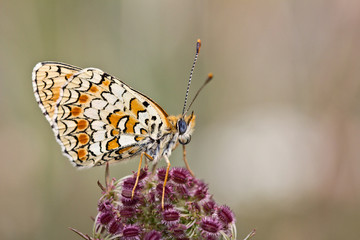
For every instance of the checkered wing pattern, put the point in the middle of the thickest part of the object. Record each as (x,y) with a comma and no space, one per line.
(96,118)
(48,78)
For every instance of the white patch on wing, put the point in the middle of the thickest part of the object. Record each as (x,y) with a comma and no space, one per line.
(98,104)
(98,125)
(126,140)
(137,128)
(117,90)
(121,124)
(95,148)
(91,113)
(99,135)
(109,97)
(128,96)
(142,117)
(111,108)
(94,75)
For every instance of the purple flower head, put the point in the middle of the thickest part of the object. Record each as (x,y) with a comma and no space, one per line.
(106,217)
(166,207)
(168,190)
(161,173)
(115,227)
(201,191)
(225,215)
(170,217)
(127,212)
(143,174)
(129,183)
(178,231)
(104,206)
(189,211)
(131,232)
(209,207)
(210,227)
(127,199)
(152,235)
(182,191)
(179,175)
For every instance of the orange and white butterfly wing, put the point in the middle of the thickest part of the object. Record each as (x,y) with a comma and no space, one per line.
(48,78)
(100,119)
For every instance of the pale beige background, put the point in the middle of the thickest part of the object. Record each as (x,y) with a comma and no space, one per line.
(278,130)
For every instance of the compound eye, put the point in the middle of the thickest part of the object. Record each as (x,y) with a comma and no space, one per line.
(186,142)
(182,126)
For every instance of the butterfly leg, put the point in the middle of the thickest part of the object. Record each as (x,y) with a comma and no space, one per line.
(186,162)
(137,176)
(148,157)
(165,180)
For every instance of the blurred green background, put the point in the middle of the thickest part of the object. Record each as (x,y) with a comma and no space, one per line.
(278,129)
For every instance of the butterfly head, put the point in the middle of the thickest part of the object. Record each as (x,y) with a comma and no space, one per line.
(185,127)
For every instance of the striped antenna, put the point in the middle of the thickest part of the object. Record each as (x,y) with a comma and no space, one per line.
(198,45)
(210,76)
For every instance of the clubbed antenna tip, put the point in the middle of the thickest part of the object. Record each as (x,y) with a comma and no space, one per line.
(198,46)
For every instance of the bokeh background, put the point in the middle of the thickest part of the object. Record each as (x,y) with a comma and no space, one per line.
(278,129)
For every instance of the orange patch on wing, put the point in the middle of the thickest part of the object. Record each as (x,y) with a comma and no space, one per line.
(138,138)
(106,82)
(83,98)
(134,150)
(82,124)
(136,106)
(94,89)
(69,75)
(115,132)
(56,94)
(130,125)
(82,154)
(112,144)
(83,138)
(121,151)
(75,111)
(115,118)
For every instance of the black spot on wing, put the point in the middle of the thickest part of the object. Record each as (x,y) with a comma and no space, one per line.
(145,103)
(152,127)
(159,127)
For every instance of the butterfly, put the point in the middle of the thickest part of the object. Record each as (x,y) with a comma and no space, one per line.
(98,119)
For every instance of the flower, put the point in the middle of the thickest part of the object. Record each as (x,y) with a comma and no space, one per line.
(189,211)
(131,232)
(210,227)
(170,217)
(226,216)
(152,235)
(179,175)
